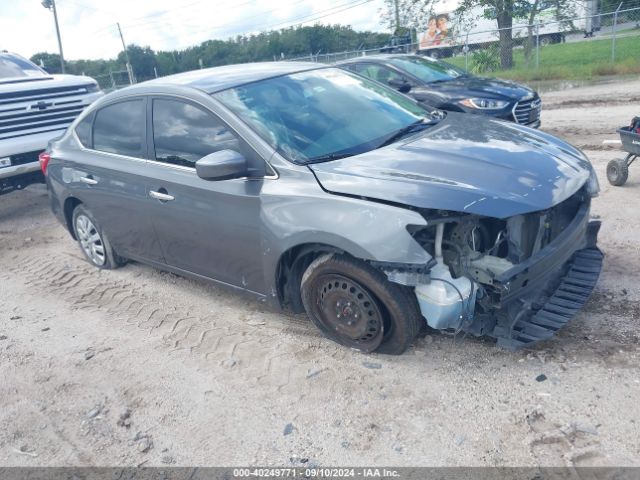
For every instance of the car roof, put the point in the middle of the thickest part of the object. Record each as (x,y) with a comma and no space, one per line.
(380,58)
(215,79)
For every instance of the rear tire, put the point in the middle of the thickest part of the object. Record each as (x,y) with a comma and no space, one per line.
(92,240)
(356,306)
(617,172)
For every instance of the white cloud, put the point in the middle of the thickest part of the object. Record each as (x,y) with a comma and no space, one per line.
(88,26)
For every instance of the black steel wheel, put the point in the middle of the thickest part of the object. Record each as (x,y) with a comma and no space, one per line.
(617,172)
(355,305)
(348,309)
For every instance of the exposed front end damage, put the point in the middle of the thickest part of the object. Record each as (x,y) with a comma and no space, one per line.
(529,274)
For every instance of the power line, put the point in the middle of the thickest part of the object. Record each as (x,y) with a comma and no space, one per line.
(168,22)
(142,17)
(323,16)
(199,28)
(299,20)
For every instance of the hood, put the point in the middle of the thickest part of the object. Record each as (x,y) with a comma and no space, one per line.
(20,84)
(465,163)
(472,86)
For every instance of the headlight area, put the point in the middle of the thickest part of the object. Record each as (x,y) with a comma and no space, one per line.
(484,103)
(518,279)
(468,252)
(593,185)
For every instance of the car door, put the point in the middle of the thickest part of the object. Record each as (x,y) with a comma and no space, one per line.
(108,175)
(210,228)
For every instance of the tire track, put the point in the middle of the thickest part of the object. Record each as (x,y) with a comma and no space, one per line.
(260,355)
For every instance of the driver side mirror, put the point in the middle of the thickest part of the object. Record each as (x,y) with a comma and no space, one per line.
(222,165)
(401,85)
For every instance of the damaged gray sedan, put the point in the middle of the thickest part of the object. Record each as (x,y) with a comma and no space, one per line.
(321,191)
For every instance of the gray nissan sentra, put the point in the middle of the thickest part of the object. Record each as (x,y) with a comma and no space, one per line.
(321,191)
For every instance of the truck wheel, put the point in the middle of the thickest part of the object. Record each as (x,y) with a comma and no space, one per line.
(92,240)
(617,172)
(355,305)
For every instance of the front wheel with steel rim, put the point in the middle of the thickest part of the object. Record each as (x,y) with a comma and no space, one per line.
(92,240)
(355,305)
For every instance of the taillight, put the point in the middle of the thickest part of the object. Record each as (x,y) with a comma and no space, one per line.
(44,158)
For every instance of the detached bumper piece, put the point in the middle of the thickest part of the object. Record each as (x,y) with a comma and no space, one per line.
(567,300)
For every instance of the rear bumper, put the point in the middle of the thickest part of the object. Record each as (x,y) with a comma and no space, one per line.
(18,182)
(539,296)
(28,143)
(16,170)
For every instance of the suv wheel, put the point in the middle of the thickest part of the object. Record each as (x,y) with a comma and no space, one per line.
(355,305)
(92,240)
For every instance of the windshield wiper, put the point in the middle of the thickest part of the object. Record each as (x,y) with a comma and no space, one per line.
(328,156)
(411,128)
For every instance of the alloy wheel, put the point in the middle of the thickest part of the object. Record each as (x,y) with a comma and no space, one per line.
(90,240)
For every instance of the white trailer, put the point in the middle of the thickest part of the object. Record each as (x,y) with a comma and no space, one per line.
(447,32)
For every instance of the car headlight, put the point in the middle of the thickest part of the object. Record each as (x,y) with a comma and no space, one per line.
(484,103)
(92,87)
(593,186)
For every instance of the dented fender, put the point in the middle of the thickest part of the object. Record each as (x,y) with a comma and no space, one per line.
(297,211)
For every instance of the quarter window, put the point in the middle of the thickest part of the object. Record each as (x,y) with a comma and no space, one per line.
(83,131)
(120,128)
(184,133)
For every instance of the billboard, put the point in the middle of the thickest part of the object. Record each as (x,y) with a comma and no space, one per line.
(438,32)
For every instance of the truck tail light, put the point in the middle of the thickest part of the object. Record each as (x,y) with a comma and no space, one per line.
(44,158)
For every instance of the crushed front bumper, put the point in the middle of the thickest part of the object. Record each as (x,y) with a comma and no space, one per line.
(539,296)
(566,301)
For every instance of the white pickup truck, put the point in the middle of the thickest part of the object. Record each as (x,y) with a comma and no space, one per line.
(35,107)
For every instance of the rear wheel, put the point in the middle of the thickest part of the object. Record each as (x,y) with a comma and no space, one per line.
(355,305)
(92,240)
(617,172)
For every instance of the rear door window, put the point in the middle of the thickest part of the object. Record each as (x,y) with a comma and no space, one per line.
(120,128)
(184,133)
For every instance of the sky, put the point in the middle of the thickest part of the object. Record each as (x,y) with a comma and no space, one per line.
(88,27)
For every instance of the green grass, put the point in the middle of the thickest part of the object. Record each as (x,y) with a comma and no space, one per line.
(578,60)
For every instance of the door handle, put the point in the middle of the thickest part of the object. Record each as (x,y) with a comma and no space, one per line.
(163,197)
(89,180)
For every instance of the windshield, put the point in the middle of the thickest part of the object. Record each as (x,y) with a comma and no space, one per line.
(322,114)
(12,66)
(427,70)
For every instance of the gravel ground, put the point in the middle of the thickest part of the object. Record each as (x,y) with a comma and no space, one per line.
(135,366)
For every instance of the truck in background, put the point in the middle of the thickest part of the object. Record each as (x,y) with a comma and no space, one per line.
(35,107)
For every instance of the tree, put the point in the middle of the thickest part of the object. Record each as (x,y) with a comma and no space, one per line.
(49,61)
(142,60)
(288,43)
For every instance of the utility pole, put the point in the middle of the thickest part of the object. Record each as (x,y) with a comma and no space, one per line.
(51,5)
(397,17)
(126,55)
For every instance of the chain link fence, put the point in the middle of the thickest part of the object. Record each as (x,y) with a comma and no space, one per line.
(578,47)
(113,80)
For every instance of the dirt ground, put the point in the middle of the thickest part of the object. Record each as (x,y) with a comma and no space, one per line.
(135,366)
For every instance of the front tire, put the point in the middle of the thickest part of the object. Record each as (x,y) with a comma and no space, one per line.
(356,306)
(93,242)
